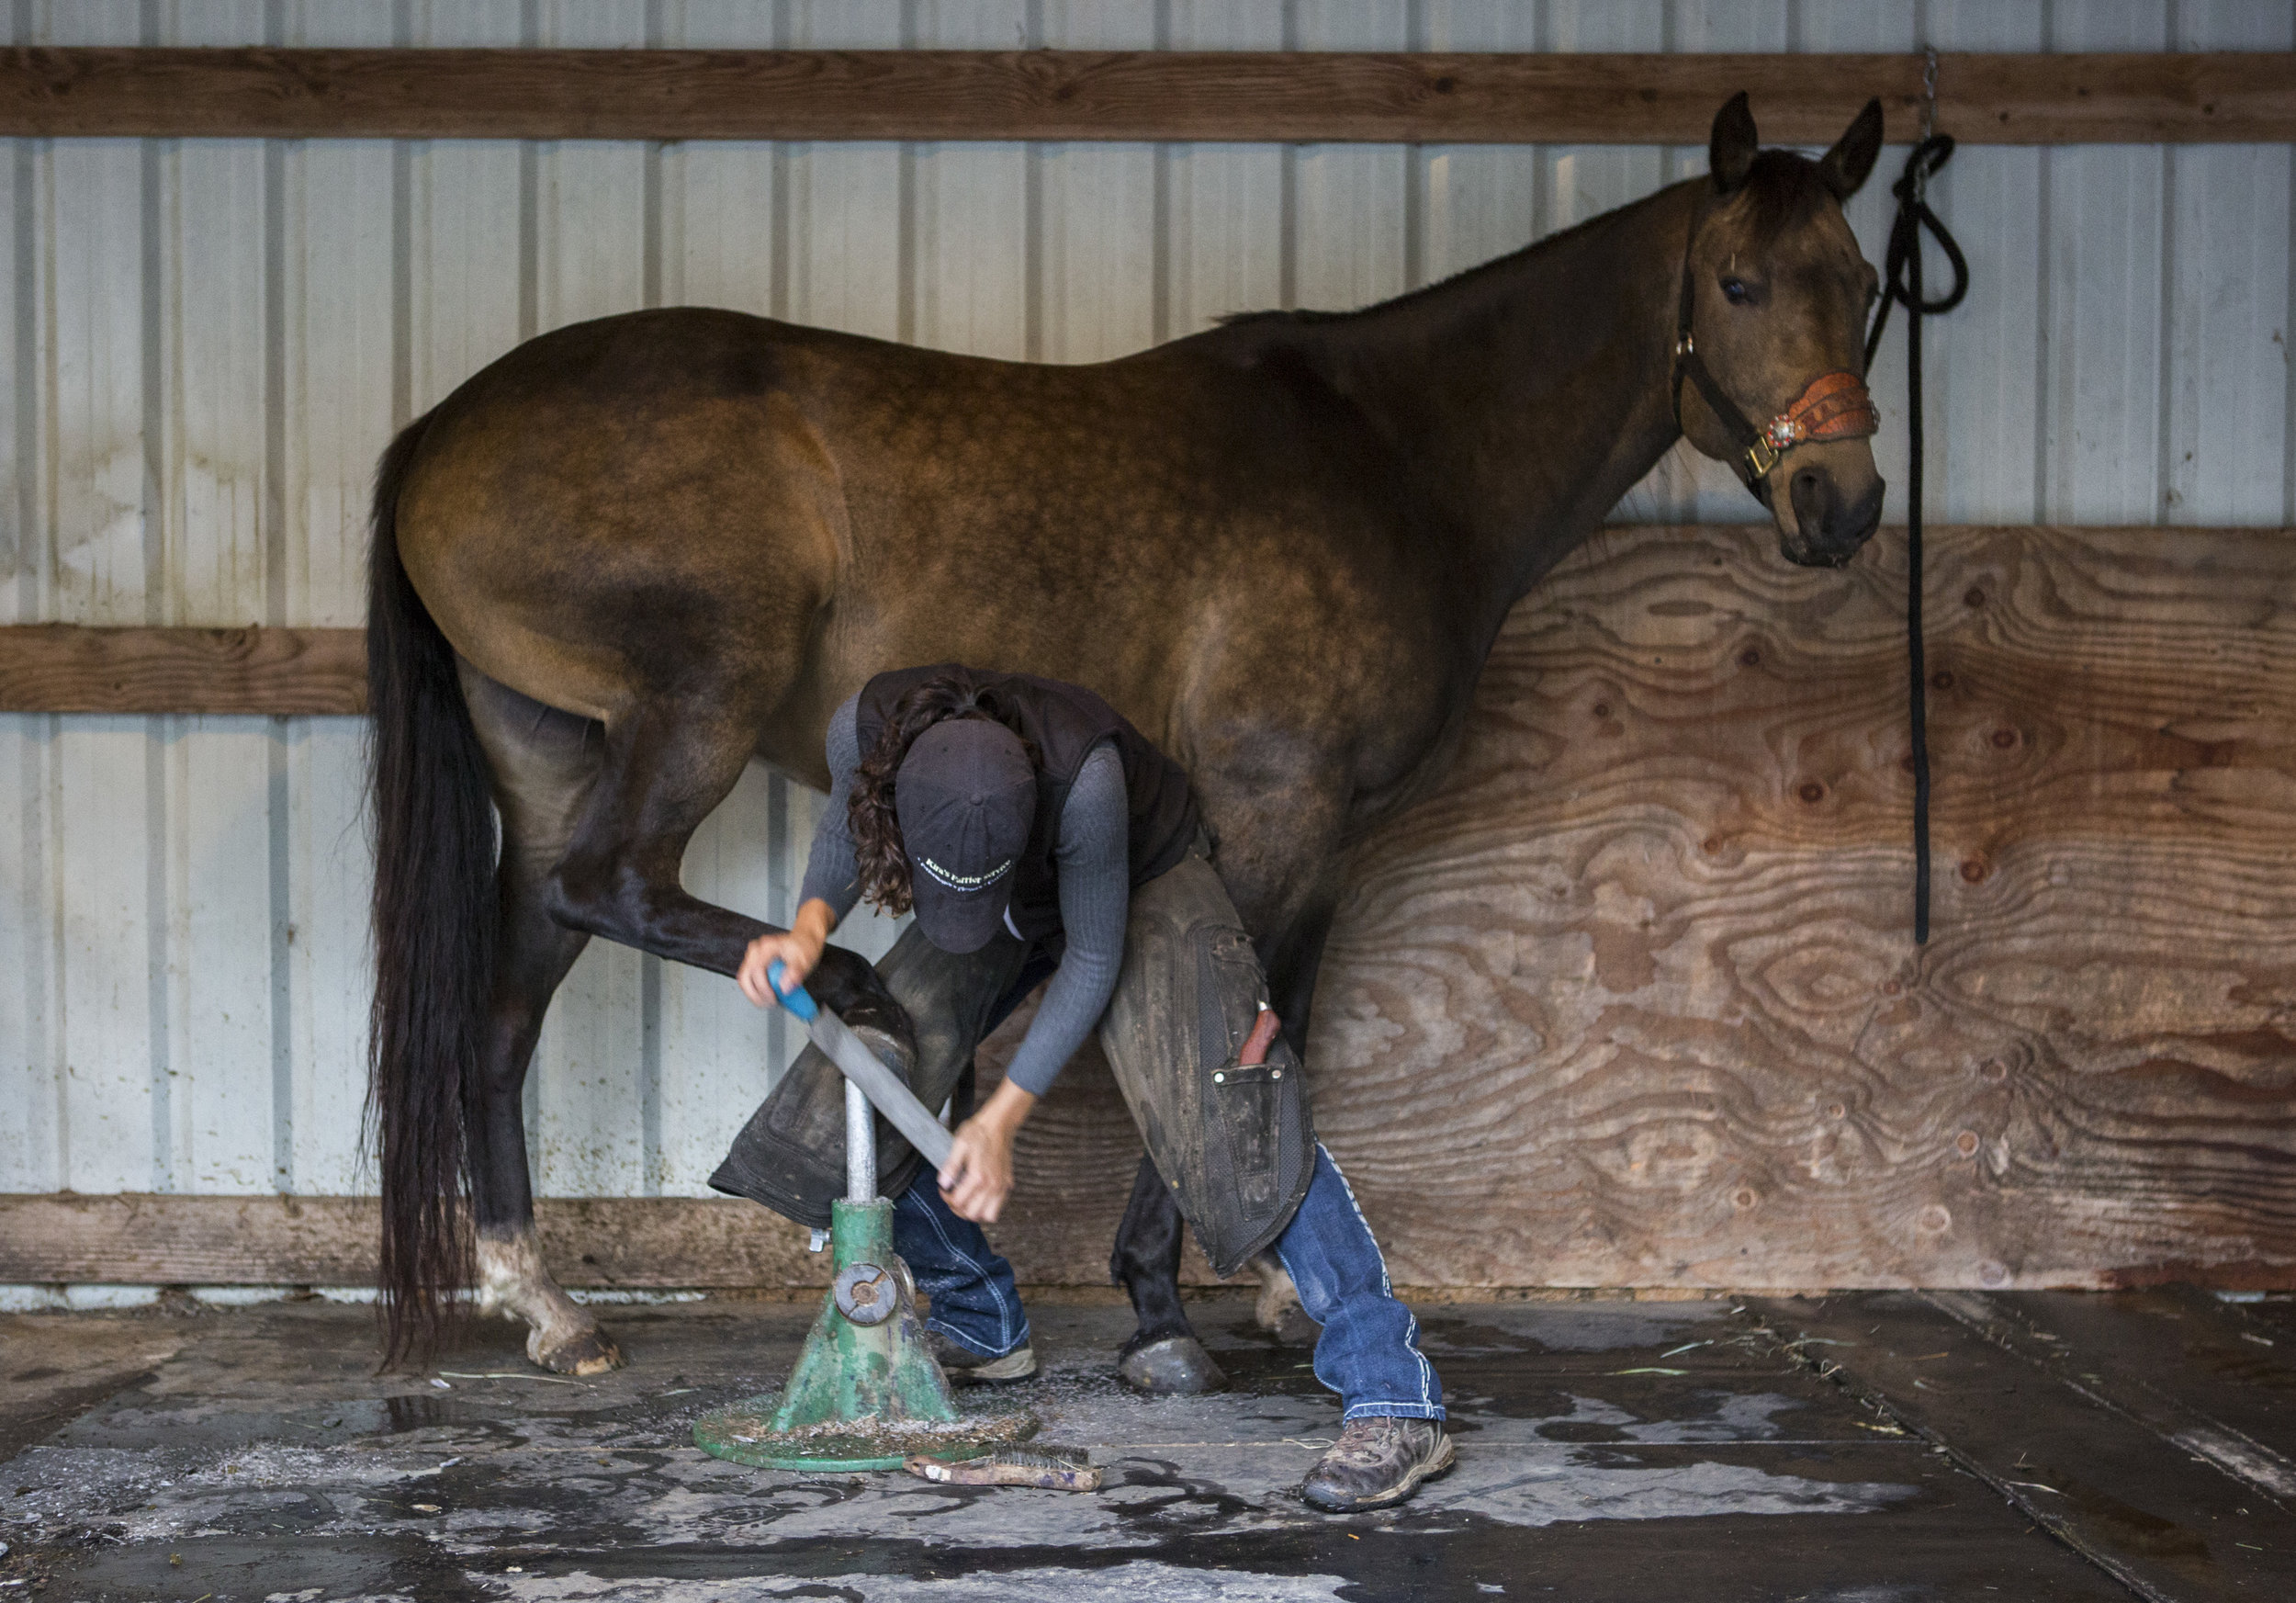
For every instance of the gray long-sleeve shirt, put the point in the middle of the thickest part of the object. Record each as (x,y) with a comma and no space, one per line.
(1095,894)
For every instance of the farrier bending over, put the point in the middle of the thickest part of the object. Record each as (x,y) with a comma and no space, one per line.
(1036,832)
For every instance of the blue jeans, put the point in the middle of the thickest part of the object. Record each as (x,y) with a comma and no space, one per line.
(1368,1352)
(975,1304)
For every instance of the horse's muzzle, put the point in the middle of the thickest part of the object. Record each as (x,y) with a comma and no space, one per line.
(1829,527)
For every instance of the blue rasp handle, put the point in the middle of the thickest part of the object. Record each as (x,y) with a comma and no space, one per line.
(796,998)
(886,1089)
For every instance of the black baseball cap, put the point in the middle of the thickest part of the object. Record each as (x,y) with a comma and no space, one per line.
(966,795)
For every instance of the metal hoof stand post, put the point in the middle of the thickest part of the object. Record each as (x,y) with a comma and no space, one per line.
(866,1392)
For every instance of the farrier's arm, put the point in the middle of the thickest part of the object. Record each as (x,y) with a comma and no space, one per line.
(1096,895)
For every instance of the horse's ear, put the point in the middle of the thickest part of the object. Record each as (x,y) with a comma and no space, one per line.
(1731,148)
(1844,167)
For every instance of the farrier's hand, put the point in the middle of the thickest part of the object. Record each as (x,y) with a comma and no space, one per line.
(978,1176)
(796,952)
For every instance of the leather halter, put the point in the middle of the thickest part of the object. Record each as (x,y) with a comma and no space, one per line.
(1832,406)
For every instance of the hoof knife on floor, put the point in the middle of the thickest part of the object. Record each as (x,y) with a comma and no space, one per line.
(1052,1469)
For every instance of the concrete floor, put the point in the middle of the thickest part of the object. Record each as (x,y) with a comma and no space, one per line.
(1715,1449)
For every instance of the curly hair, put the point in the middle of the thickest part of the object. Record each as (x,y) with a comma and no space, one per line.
(879,856)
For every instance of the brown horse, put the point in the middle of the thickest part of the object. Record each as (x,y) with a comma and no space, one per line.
(634,553)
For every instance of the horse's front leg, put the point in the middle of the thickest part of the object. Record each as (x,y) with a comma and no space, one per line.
(1277,1309)
(1162,1354)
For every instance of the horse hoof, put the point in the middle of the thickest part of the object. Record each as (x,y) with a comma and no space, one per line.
(1176,1366)
(1277,1310)
(590,1353)
(1292,1327)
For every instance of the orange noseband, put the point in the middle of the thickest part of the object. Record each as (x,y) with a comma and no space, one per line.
(1835,406)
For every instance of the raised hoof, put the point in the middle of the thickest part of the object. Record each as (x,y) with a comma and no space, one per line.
(1176,1366)
(590,1353)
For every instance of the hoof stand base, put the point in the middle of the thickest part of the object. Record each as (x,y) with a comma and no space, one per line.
(744,1434)
(866,1394)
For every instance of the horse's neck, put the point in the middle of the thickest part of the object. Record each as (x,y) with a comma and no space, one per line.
(1528,396)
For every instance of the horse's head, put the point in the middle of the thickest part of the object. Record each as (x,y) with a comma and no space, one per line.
(1770,358)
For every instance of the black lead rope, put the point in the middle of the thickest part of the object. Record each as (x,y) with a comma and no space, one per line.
(1902,287)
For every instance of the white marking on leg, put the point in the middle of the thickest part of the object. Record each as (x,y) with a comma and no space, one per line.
(513,1284)
(1276,1292)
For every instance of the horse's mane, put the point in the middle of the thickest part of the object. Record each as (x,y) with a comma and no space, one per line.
(1782,188)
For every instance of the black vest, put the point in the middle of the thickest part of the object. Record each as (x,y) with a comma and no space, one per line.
(1064,722)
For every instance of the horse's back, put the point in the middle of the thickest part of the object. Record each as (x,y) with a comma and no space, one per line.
(615,502)
(621,506)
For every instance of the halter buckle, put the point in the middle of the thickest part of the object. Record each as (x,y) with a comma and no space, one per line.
(1832,406)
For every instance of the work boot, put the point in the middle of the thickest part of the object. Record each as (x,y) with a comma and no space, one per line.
(1376,1462)
(963,1366)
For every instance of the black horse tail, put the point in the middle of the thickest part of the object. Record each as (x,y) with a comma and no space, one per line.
(435,932)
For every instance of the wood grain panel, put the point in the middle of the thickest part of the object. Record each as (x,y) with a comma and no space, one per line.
(1633,999)
(63,668)
(1434,97)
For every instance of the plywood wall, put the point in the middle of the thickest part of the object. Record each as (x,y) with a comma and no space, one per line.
(1632,997)
(206,343)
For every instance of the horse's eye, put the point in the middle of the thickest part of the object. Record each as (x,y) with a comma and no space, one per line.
(1734,291)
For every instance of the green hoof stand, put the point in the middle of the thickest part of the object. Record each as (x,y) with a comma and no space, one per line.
(864,1395)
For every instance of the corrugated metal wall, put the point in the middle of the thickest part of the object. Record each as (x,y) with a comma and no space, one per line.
(206,344)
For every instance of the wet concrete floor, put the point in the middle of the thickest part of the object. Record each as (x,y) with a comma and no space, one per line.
(1718,1449)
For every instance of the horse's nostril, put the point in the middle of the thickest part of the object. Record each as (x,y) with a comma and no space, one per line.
(1813,503)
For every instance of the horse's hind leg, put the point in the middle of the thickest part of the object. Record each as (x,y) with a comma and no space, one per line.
(664,767)
(1277,1309)
(595,825)
(532,958)
(544,762)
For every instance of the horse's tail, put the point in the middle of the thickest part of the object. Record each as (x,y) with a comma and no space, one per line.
(434,930)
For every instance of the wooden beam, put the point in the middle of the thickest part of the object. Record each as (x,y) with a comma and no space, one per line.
(1094,95)
(69,668)
(63,668)
(608,1243)
(637,1243)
